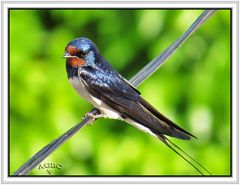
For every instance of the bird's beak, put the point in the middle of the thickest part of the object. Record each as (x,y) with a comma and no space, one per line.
(67,55)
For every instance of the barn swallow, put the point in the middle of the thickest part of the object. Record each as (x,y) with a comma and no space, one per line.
(97,82)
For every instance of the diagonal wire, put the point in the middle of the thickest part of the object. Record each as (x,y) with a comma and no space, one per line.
(152,66)
(142,75)
(48,149)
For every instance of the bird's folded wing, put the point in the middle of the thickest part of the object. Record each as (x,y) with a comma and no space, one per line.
(122,97)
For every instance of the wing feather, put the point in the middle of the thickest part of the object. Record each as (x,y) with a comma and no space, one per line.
(125,99)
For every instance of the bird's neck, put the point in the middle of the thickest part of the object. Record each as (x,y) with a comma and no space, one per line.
(71,71)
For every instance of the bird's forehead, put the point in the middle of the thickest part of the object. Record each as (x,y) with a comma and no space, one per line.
(71,49)
(80,44)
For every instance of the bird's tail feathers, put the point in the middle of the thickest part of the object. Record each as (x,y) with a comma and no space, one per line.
(163,122)
(195,164)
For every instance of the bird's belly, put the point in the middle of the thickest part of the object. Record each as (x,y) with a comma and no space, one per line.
(80,88)
(82,91)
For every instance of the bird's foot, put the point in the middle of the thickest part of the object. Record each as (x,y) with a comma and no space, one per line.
(94,113)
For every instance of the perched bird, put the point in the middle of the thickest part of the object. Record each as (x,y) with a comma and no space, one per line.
(96,81)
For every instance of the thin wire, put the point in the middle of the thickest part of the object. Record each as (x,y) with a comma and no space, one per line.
(142,75)
(152,66)
(47,150)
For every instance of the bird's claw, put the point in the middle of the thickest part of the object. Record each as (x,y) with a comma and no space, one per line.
(95,114)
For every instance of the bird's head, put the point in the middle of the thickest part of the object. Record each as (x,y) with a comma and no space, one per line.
(81,52)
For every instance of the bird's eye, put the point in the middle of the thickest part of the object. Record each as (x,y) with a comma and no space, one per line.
(83,54)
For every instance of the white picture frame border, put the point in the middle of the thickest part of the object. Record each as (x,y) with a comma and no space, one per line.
(6,4)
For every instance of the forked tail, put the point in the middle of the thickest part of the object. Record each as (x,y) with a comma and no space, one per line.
(181,153)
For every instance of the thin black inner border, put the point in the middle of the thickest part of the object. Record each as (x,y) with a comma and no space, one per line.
(9,9)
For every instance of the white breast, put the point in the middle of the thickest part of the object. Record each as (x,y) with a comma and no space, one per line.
(82,91)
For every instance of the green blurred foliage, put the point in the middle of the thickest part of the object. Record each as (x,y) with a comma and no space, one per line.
(192,88)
